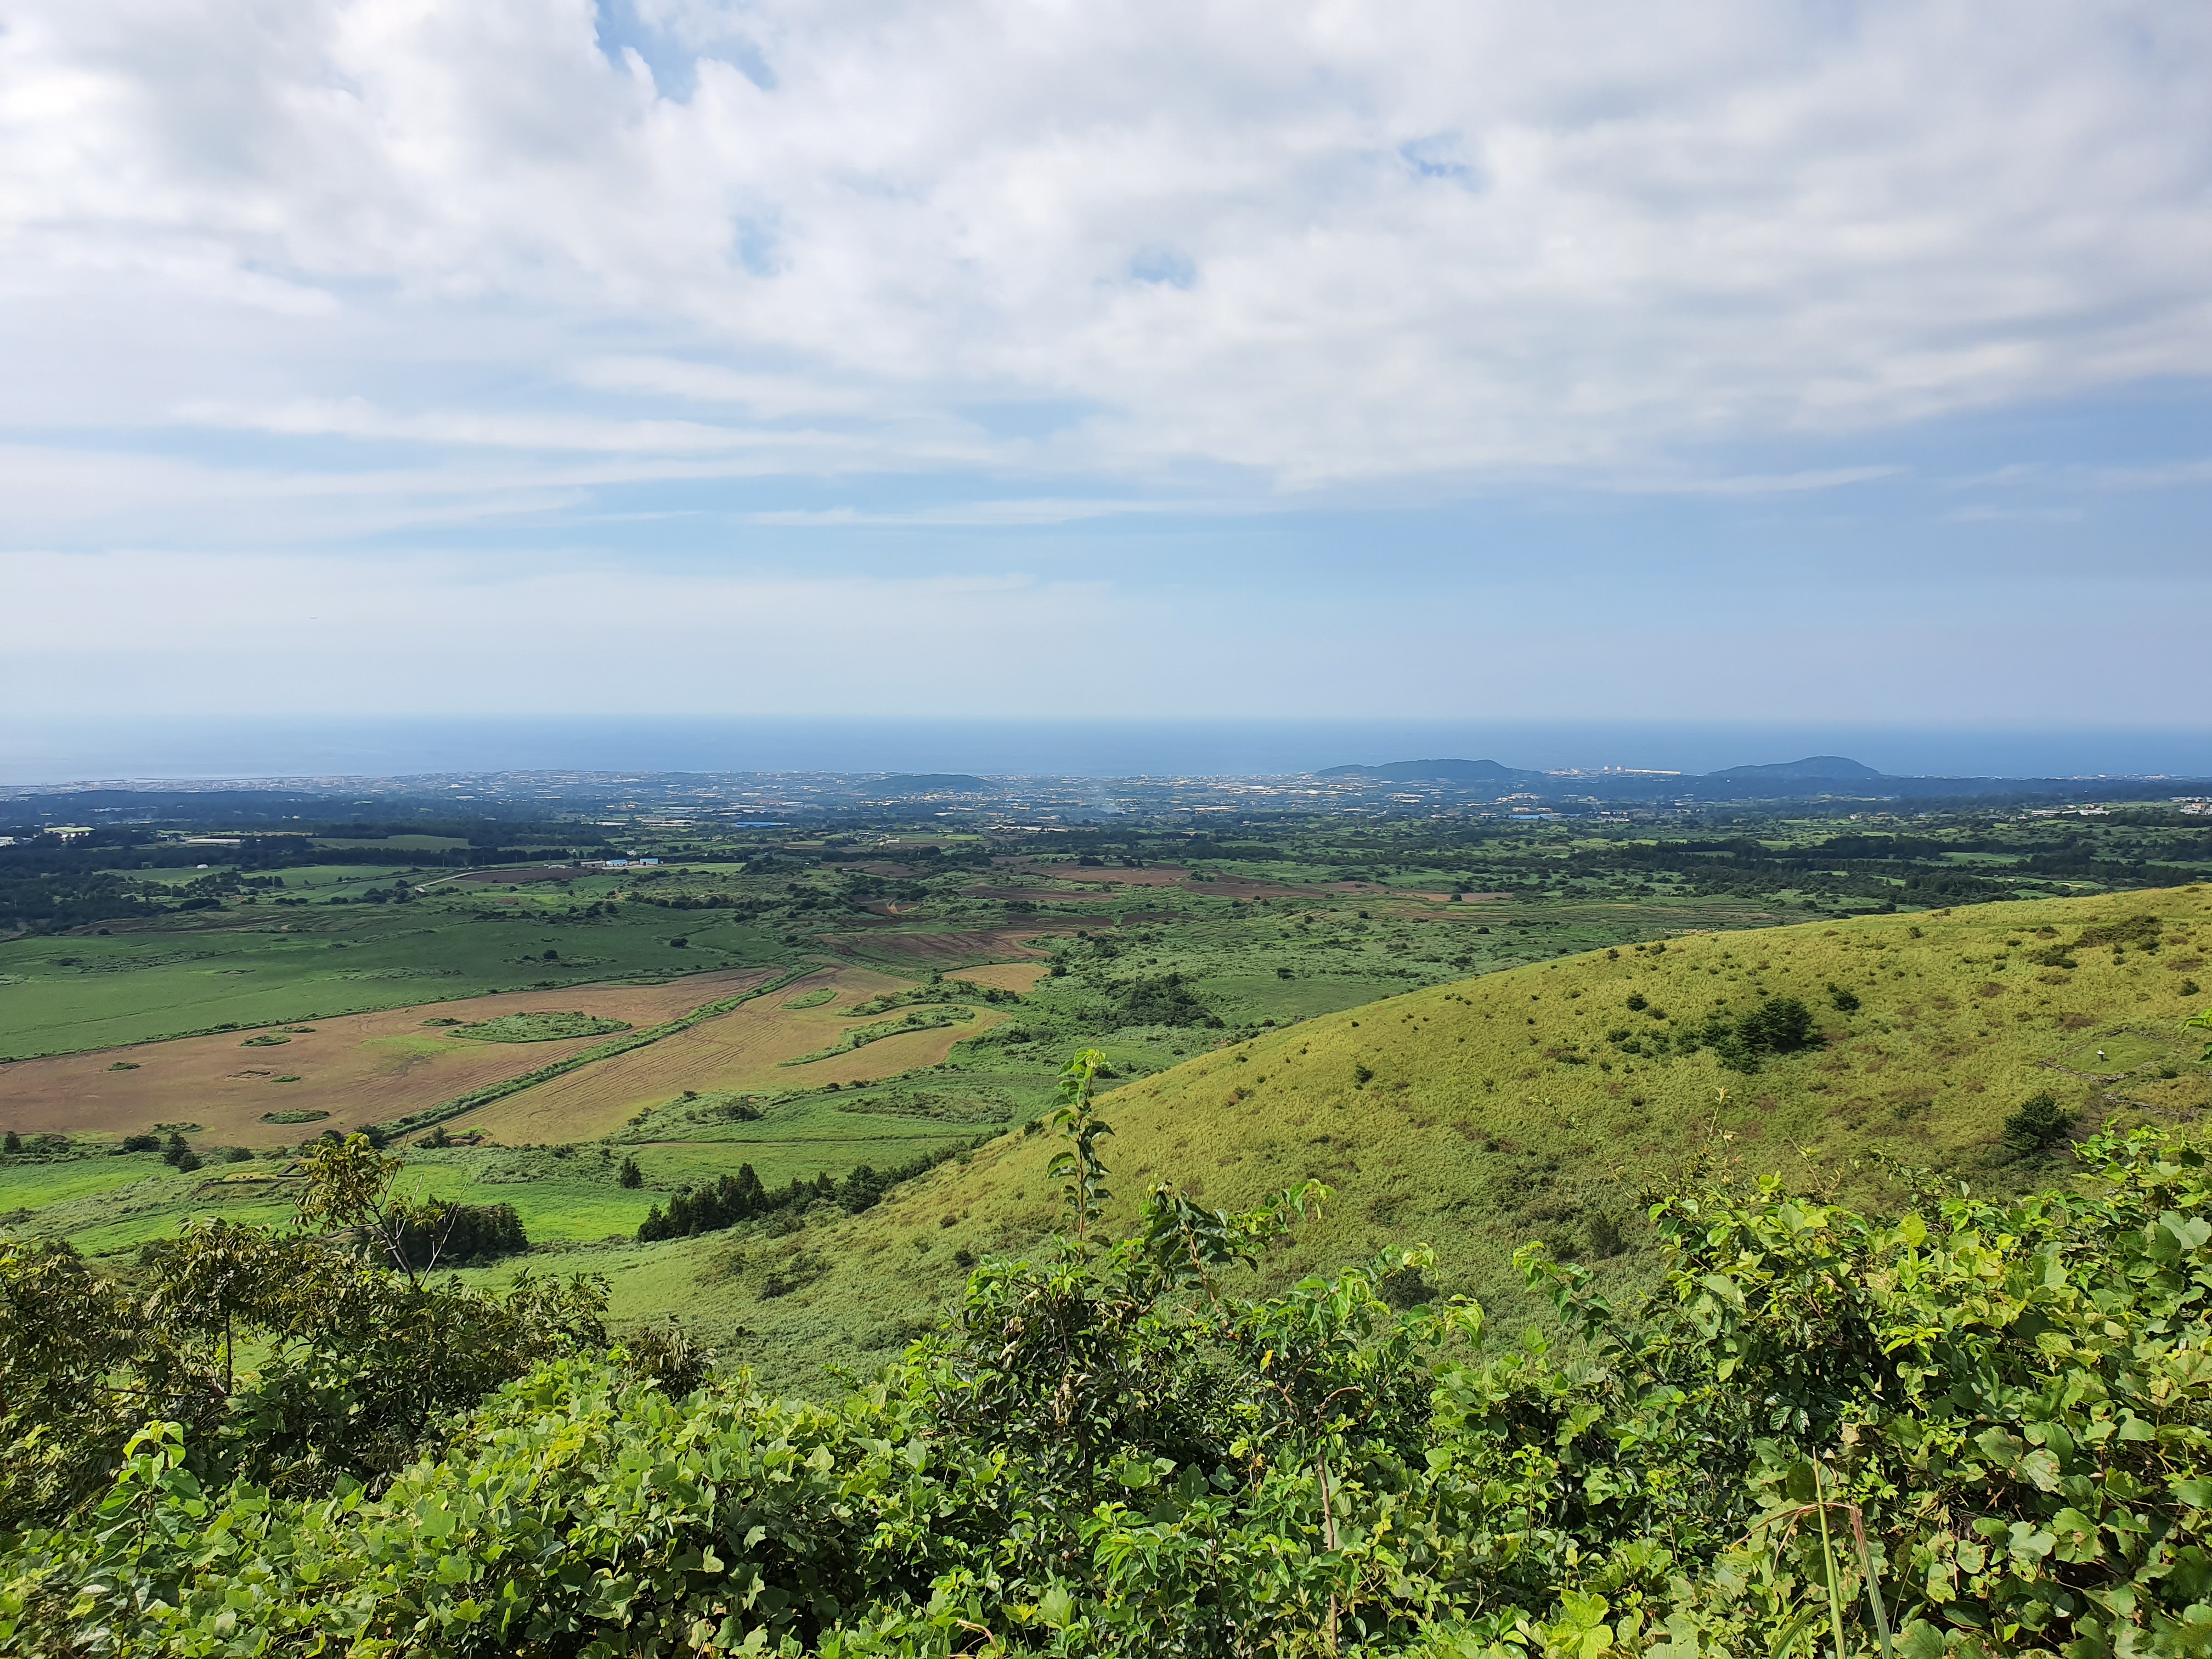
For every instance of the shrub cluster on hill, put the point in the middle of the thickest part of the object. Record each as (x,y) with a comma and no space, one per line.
(1161,1000)
(743,1197)
(1969,1428)
(458,1234)
(1778,1025)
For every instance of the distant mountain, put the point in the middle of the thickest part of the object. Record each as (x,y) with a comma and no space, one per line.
(1813,766)
(926,783)
(1434,771)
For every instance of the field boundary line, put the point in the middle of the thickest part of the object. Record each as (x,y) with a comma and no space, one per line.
(853,1041)
(445,1110)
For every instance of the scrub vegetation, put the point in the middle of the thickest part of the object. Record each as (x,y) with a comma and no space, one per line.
(1963,1426)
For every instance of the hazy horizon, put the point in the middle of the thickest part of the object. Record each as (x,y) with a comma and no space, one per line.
(217,749)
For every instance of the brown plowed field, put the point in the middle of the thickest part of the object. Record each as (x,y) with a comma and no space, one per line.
(743,1050)
(1155,876)
(1238,887)
(1015,976)
(901,952)
(361,1068)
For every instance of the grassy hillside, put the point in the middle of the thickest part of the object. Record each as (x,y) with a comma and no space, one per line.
(1480,1114)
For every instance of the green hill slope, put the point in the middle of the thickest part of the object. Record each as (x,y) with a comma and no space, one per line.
(1534,1103)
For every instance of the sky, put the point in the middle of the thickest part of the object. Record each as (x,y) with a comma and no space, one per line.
(1818,363)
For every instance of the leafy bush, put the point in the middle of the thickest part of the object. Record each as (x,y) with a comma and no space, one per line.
(1779,1025)
(358,1354)
(2142,932)
(1107,1451)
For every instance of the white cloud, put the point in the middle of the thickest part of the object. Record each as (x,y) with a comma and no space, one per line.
(353,417)
(1326,244)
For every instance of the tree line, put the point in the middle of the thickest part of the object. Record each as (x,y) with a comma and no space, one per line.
(732,1200)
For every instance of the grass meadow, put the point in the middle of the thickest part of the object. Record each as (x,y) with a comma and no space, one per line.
(272,965)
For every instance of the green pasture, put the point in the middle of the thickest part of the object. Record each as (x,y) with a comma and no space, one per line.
(1313,991)
(143,1199)
(321,880)
(106,1205)
(28,1184)
(66,994)
(791,1129)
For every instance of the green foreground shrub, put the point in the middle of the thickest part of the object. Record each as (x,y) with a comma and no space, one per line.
(1104,1451)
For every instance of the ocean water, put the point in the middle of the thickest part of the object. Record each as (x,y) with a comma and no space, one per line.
(35,751)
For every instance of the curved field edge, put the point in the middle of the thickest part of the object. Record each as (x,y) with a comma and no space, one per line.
(868,1034)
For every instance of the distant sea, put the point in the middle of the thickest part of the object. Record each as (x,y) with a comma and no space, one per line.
(214,746)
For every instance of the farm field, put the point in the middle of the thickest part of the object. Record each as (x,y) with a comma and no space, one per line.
(250,967)
(753,1048)
(927,988)
(1535,1101)
(353,1071)
(1014,976)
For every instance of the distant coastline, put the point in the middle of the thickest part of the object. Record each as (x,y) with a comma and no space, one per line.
(65,751)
